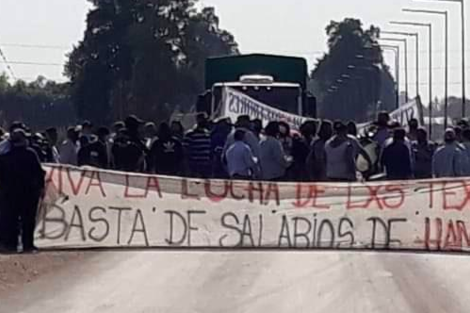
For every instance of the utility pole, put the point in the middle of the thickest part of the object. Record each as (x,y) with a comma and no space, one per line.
(416,36)
(462,19)
(429,27)
(405,42)
(396,51)
(446,55)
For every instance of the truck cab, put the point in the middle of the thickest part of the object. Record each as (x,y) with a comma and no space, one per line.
(277,81)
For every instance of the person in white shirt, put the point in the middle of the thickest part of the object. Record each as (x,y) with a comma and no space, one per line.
(241,163)
(340,156)
(273,160)
(52,137)
(69,148)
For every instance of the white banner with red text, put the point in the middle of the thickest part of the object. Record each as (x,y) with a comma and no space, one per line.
(89,208)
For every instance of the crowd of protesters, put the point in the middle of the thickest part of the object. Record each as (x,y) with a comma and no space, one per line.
(321,151)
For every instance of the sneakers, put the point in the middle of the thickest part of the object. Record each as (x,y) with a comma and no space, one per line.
(30,250)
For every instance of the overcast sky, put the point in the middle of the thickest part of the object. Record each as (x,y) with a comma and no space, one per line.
(294,27)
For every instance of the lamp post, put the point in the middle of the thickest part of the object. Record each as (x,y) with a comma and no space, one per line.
(405,42)
(429,27)
(446,54)
(462,17)
(416,35)
(396,51)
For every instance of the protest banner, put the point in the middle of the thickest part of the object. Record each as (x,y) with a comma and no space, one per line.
(89,208)
(406,112)
(235,103)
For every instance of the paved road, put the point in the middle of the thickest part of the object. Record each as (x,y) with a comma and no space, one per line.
(156,281)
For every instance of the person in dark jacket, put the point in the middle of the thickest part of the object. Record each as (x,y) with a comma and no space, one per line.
(128,156)
(166,154)
(423,152)
(396,157)
(219,136)
(197,143)
(301,149)
(316,160)
(95,153)
(257,127)
(177,130)
(36,142)
(134,127)
(22,184)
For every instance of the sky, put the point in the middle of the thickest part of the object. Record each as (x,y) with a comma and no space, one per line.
(42,32)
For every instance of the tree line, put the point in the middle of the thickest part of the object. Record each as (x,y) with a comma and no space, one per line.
(39,103)
(146,57)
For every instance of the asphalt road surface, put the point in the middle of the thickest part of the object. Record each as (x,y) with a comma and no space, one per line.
(221,282)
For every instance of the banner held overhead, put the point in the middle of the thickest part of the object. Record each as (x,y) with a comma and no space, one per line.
(236,103)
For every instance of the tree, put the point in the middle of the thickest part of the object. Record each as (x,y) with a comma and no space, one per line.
(40,104)
(143,57)
(352,79)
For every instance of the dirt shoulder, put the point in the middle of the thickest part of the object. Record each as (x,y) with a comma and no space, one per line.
(18,270)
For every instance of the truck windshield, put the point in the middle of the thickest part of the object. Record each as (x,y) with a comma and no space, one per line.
(282,98)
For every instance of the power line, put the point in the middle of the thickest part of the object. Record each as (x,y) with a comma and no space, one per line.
(440,83)
(312,53)
(21,45)
(31,63)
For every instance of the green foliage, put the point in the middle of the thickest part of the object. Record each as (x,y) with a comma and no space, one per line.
(351,79)
(143,57)
(40,104)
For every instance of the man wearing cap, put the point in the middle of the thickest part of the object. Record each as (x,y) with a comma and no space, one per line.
(5,144)
(134,127)
(449,160)
(22,181)
(95,153)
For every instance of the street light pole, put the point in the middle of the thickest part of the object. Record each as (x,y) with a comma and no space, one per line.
(416,35)
(429,27)
(446,55)
(396,51)
(464,86)
(405,42)
(462,16)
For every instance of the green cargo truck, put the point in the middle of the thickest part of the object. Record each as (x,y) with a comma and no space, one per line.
(278,81)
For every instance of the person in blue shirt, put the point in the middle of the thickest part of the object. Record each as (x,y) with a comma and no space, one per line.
(449,160)
(241,163)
